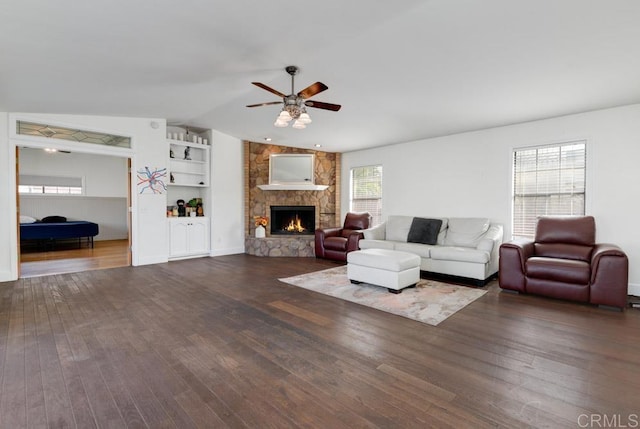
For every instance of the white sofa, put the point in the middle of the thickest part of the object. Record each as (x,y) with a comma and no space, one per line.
(466,248)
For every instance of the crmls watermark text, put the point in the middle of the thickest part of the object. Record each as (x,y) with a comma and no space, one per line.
(608,421)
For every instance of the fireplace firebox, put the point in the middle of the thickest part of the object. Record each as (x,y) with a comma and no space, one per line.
(293,220)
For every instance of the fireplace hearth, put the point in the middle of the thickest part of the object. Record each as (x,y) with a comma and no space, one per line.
(293,220)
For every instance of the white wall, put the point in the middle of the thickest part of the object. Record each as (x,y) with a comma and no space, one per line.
(149,149)
(470,174)
(148,214)
(8,207)
(103,176)
(227,194)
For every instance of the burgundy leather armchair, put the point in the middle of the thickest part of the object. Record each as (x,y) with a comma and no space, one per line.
(335,243)
(563,261)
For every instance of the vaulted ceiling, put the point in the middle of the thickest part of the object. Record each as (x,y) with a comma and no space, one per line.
(402,70)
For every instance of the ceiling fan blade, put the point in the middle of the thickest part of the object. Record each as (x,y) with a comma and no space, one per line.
(321,105)
(264,104)
(263,86)
(312,90)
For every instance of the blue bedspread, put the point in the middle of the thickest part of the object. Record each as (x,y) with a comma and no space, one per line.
(53,231)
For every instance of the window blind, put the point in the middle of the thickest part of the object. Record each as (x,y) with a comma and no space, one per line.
(547,180)
(366,191)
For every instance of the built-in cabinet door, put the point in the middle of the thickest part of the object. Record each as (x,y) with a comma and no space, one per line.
(198,236)
(179,238)
(188,236)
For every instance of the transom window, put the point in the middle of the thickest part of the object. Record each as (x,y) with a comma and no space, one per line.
(71,134)
(366,191)
(547,180)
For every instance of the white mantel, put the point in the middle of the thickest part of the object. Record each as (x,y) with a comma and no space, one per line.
(293,187)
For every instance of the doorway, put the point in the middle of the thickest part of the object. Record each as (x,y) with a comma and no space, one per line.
(45,188)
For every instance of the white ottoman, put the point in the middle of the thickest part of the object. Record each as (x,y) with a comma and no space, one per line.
(392,269)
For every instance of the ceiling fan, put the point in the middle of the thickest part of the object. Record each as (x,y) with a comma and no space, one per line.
(295,105)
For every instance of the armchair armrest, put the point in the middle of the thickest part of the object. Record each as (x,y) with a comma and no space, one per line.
(328,232)
(321,235)
(513,256)
(609,276)
(353,239)
(524,248)
(605,249)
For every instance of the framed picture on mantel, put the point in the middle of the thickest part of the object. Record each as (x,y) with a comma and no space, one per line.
(291,169)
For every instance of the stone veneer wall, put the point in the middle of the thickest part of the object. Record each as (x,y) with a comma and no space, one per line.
(259,202)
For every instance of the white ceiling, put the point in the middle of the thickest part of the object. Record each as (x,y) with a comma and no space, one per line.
(402,70)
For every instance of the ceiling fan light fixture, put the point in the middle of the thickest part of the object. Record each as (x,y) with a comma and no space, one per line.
(295,103)
(284,116)
(305,118)
(298,125)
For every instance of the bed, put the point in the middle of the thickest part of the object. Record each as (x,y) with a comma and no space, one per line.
(48,232)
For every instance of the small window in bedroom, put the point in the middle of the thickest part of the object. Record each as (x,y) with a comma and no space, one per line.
(366,191)
(39,185)
(547,180)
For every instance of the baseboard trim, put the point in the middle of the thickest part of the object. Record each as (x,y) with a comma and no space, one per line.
(8,276)
(227,251)
(634,289)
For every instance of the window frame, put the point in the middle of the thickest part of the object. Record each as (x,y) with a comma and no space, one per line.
(514,195)
(377,213)
(52,185)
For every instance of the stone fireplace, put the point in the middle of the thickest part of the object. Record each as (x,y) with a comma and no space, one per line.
(293,220)
(258,202)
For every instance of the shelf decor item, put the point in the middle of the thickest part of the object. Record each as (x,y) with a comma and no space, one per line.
(260,222)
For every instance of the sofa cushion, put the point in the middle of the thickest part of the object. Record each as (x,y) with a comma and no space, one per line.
(459,254)
(560,270)
(424,230)
(564,251)
(375,233)
(580,230)
(422,250)
(377,244)
(398,227)
(466,232)
(357,220)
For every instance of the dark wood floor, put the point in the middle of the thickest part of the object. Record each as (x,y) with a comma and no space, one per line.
(220,342)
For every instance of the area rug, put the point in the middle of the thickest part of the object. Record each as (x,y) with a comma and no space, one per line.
(429,302)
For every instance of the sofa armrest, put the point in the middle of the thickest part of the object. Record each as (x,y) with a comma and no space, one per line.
(491,239)
(377,232)
(513,256)
(609,276)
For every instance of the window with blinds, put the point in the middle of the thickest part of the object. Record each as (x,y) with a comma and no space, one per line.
(547,180)
(31,184)
(366,191)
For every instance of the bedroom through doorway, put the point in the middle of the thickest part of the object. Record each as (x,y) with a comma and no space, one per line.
(70,186)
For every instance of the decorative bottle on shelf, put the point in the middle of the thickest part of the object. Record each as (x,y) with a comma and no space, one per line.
(260,231)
